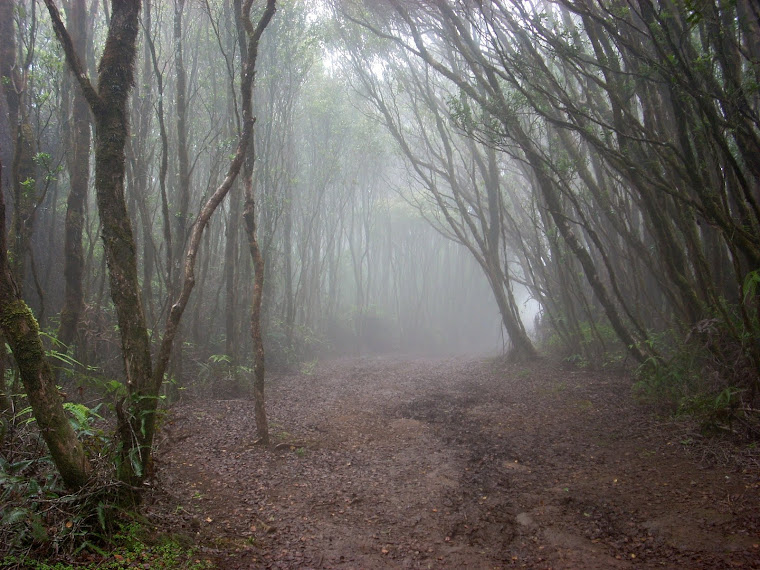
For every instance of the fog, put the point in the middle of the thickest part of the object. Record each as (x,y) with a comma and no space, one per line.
(403,195)
(201,192)
(359,256)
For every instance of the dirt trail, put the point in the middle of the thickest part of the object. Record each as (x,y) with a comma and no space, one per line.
(393,463)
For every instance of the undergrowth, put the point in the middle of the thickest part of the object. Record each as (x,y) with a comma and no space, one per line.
(132,546)
(712,376)
(43,526)
(594,346)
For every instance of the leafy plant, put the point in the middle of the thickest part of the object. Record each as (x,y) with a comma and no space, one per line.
(219,374)
(697,380)
(308,368)
(131,546)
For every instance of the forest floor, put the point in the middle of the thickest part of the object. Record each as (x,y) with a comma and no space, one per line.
(459,463)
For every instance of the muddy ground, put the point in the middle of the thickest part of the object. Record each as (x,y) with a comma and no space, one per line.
(458,463)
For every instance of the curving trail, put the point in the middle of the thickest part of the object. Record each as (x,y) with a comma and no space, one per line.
(459,463)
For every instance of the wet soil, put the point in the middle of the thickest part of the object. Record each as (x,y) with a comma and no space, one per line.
(459,463)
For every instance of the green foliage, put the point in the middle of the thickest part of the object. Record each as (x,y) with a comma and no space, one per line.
(42,524)
(220,358)
(133,545)
(82,419)
(714,411)
(693,12)
(45,161)
(74,373)
(308,368)
(751,284)
(668,383)
(594,344)
(39,514)
(711,376)
(20,495)
(298,352)
(218,374)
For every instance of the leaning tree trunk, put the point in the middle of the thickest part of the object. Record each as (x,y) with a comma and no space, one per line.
(17,322)
(22,334)
(522,346)
(496,102)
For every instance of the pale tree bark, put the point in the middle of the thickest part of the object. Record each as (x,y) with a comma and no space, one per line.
(181,202)
(164,162)
(140,154)
(182,196)
(231,247)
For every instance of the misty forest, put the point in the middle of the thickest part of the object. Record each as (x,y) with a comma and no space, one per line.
(379,284)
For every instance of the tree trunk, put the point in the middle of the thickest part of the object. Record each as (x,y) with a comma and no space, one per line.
(22,334)
(249,50)
(109,107)
(232,348)
(24,172)
(259,369)
(79,176)
(290,309)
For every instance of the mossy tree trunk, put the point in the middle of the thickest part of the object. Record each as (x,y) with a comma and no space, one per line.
(108,104)
(22,334)
(17,323)
(8,117)
(259,364)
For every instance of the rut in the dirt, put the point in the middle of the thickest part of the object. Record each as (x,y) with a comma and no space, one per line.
(455,464)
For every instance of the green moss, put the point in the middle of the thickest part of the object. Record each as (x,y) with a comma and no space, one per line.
(23,333)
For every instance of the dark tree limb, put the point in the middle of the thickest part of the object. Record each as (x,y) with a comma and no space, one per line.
(75,64)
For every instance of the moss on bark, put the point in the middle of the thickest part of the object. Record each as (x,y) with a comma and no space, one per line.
(22,334)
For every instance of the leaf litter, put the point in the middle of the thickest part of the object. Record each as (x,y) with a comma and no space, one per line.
(389,462)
